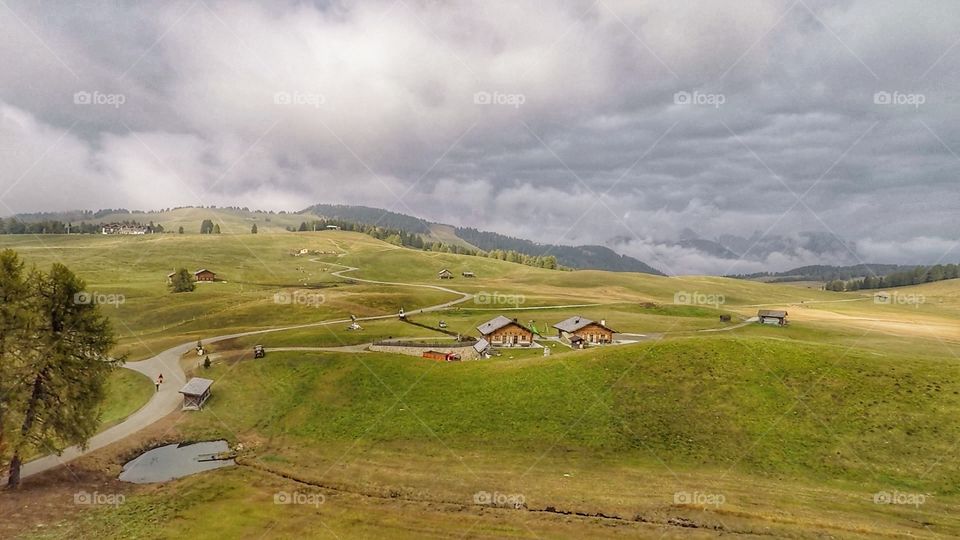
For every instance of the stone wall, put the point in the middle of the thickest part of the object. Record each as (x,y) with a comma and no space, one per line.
(466,352)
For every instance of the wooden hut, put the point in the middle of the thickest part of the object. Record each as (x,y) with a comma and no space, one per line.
(772,316)
(195,393)
(204,275)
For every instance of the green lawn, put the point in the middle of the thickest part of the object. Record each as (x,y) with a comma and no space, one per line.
(127,391)
(797,426)
(748,417)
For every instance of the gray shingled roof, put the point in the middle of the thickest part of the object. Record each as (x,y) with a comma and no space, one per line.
(572,324)
(481,345)
(495,324)
(576,323)
(779,314)
(196,386)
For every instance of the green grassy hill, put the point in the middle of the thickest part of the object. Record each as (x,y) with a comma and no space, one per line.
(797,427)
(777,429)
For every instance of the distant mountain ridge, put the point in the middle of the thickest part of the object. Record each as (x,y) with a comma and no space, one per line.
(586,256)
(370,216)
(824,272)
(579,257)
(241,219)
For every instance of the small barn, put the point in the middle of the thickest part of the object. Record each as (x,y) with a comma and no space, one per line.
(506,332)
(468,274)
(204,275)
(445,274)
(482,347)
(579,330)
(195,393)
(772,316)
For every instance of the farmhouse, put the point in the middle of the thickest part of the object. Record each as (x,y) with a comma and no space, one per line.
(204,275)
(445,274)
(195,393)
(772,316)
(116,228)
(578,330)
(506,332)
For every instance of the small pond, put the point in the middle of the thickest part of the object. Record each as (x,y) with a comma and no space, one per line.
(176,461)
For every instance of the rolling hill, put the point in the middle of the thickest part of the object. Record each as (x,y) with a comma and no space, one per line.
(240,221)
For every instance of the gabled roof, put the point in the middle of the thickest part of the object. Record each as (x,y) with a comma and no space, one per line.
(499,322)
(481,346)
(202,270)
(445,271)
(576,323)
(779,314)
(196,386)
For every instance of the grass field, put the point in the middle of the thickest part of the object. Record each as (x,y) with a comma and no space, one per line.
(127,391)
(619,433)
(795,429)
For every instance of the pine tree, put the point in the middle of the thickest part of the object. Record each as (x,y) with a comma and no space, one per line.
(66,369)
(253,230)
(182,281)
(14,318)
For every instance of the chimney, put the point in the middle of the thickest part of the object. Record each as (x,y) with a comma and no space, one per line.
(603,322)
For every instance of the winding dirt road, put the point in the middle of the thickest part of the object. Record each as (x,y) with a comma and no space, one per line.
(167,399)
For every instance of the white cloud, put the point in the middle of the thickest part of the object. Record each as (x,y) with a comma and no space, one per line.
(382,104)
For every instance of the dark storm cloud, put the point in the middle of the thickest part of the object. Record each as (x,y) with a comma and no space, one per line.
(664,120)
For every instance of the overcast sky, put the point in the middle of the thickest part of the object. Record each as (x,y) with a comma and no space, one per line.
(619,122)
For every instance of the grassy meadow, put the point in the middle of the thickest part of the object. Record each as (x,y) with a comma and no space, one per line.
(784,432)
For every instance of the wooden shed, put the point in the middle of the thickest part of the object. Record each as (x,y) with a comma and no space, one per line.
(204,275)
(772,316)
(195,393)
